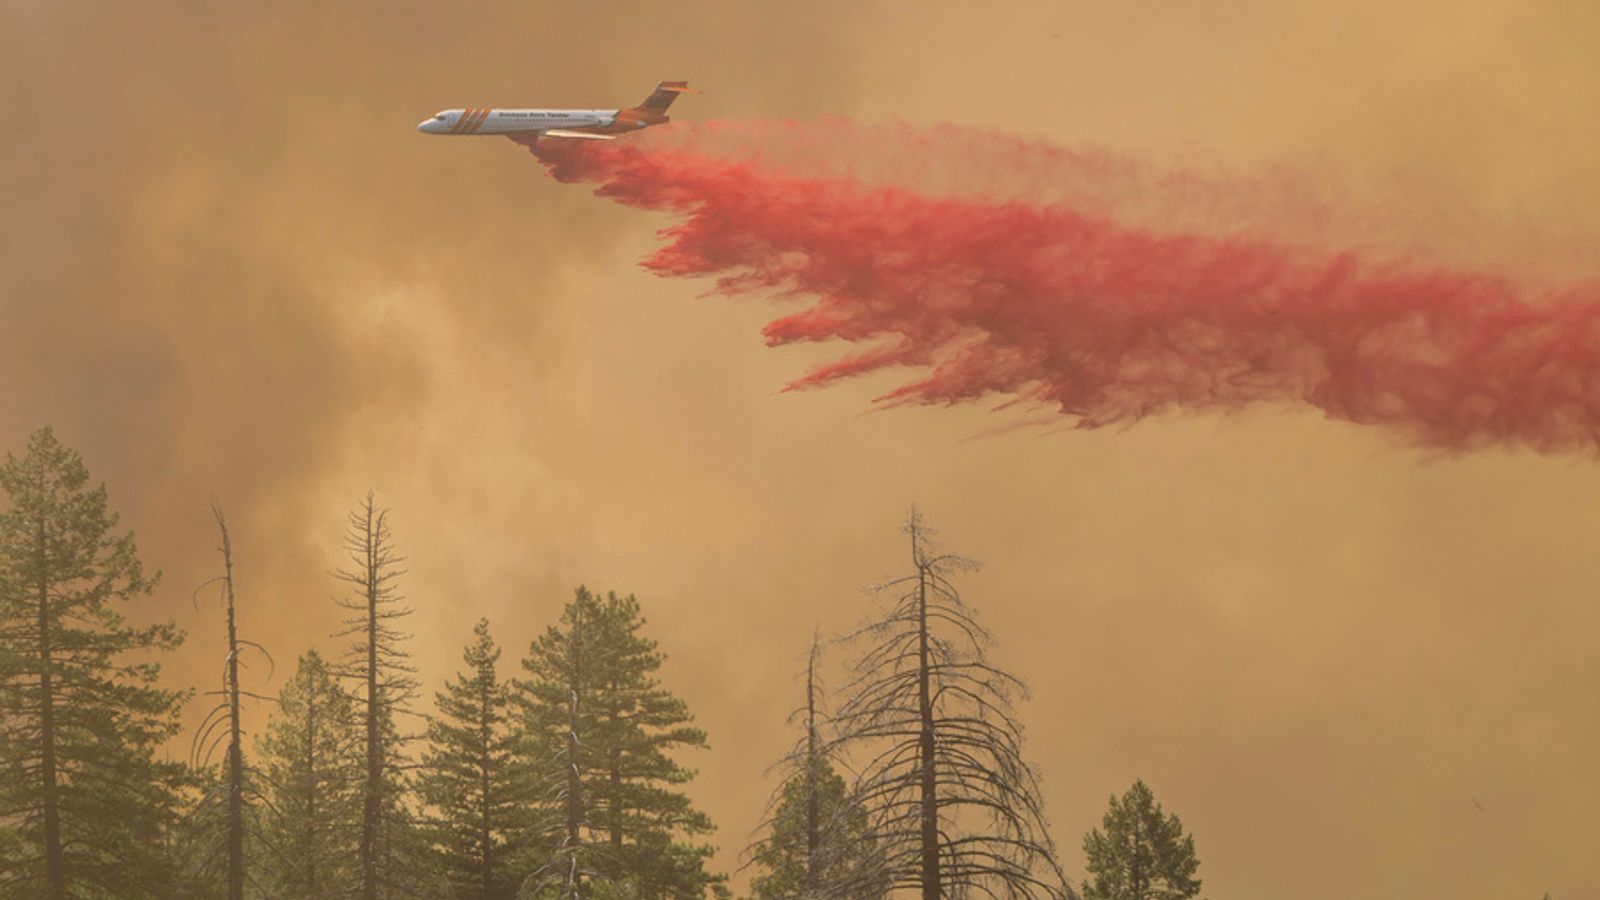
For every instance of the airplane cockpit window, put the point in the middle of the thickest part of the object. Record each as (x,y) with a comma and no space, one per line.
(440,117)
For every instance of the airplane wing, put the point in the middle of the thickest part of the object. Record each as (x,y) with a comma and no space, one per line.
(585,135)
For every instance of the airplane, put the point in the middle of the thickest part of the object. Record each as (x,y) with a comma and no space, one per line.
(525,126)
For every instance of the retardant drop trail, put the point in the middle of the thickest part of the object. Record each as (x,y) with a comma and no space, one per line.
(1104,320)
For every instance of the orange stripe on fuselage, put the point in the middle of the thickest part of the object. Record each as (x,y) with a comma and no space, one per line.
(469,121)
(483,116)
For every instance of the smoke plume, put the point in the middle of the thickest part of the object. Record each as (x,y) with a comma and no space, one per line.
(1100,287)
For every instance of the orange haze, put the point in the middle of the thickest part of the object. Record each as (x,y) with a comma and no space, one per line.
(232,266)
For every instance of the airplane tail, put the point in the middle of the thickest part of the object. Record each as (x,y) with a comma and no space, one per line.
(667,91)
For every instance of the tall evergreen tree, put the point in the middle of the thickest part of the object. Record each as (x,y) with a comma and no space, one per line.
(953,806)
(1142,854)
(311,764)
(555,712)
(386,684)
(473,782)
(80,778)
(649,824)
(593,704)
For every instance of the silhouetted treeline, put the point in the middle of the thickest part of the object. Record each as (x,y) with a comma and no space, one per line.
(559,779)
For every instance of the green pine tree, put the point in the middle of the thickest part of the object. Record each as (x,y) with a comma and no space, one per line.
(816,840)
(310,763)
(649,825)
(472,780)
(555,715)
(1142,854)
(82,781)
(593,706)
(836,857)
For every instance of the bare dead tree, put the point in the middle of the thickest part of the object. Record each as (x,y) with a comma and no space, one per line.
(387,682)
(235,763)
(222,729)
(814,836)
(954,809)
(811,766)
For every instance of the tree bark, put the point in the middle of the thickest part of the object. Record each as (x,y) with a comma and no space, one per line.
(371,803)
(615,781)
(235,750)
(925,745)
(574,783)
(311,793)
(485,835)
(812,812)
(54,860)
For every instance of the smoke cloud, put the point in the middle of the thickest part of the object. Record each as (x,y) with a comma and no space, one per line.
(1100,288)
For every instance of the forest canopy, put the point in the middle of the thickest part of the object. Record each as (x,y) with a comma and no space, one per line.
(562,775)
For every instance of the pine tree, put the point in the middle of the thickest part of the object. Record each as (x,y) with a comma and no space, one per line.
(80,778)
(648,824)
(816,839)
(472,780)
(797,860)
(310,761)
(1141,855)
(557,725)
(386,685)
(592,703)
(952,805)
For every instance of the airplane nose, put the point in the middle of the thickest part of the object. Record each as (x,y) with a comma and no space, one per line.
(423,125)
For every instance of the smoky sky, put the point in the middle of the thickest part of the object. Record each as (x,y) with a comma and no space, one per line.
(232,268)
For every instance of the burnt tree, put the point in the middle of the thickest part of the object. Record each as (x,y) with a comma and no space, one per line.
(386,684)
(814,838)
(952,806)
(224,818)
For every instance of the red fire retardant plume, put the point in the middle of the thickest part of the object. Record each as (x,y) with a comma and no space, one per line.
(1106,321)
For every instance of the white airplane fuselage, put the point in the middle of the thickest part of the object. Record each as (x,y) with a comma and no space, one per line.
(528,125)
(518,121)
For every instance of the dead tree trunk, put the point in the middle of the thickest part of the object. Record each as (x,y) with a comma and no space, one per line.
(372,793)
(926,744)
(953,808)
(815,842)
(235,766)
(225,814)
(379,662)
(813,766)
